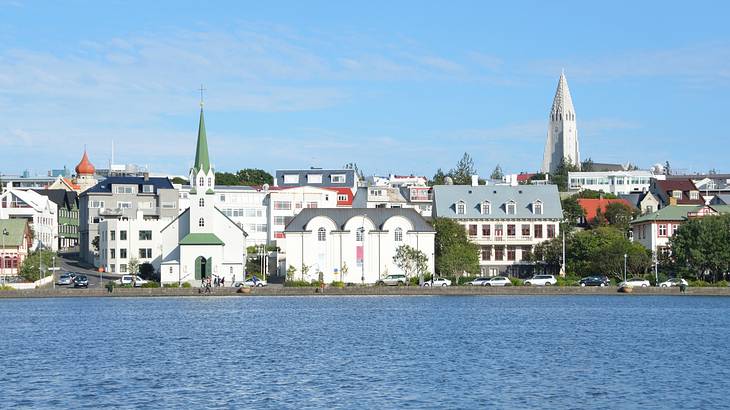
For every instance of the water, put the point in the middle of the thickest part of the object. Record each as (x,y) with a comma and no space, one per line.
(365,352)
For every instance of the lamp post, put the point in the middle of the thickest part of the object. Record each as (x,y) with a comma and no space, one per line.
(625,258)
(362,232)
(53,258)
(5,233)
(562,267)
(656,269)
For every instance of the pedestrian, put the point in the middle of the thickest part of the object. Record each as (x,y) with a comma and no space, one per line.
(223,281)
(207,285)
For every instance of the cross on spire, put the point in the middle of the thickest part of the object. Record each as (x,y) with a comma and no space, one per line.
(201,89)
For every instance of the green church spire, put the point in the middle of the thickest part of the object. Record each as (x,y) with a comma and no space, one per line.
(202,161)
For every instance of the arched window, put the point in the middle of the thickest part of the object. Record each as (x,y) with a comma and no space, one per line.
(201,181)
(398,235)
(359,234)
(201,222)
(210,182)
(201,202)
(321,235)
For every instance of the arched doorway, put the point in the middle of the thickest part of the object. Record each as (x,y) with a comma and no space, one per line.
(203,268)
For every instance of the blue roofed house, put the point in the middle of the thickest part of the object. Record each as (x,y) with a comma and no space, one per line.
(506,222)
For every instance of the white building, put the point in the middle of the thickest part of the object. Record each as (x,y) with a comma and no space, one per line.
(419,198)
(562,137)
(245,205)
(285,203)
(38,210)
(506,222)
(612,182)
(202,242)
(397,180)
(353,245)
(124,239)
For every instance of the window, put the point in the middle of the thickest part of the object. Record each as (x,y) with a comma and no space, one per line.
(662,230)
(498,253)
(398,235)
(123,268)
(314,179)
(123,253)
(338,178)
(201,202)
(551,231)
(498,230)
(280,220)
(222,198)
(341,197)
(148,189)
(169,205)
(677,194)
(511,208)
(201,222)
(311,204)
(486,230)
(510,230)
(201,181)
(145,235)
(144,205)
(96,204)
(538,231)
(525,230)
(460,208)
(170,270)
(291,179)
(511,253)
(486,208)
(123,190)
(112,253)
(472,230)
(145,253)
(486,253)
(124,205)
(112,235)
(210,181)
(321,235)
(537,208)
(122,235)
(282,205)
(694,195)
(648,209)
(112,268)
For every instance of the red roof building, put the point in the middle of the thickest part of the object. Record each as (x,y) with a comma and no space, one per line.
(344,197)
(592,206)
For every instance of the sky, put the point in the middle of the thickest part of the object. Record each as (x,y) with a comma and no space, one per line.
(400,87)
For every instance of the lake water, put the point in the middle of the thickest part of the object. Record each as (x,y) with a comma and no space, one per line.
(366,352)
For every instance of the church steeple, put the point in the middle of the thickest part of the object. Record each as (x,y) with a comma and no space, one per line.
(202,160)
(562,138)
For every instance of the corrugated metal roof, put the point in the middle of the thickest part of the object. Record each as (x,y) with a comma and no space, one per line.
(341,215)
(16,231)
(668,213)
(445,198)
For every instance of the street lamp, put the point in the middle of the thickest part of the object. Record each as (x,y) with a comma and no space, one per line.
(5,233)
(362,232)
(625,257)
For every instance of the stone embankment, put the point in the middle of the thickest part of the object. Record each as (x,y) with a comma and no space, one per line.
(363,291)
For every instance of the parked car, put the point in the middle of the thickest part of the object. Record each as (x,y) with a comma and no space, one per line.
(498,281)
(81,281)
(252,282)
(65,279)
(635,283)
(594,281)
(133,280)
(478,281)
(393,280)
(437,282)
(673,282)
(541,280)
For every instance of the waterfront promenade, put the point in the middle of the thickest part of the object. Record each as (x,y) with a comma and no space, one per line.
(367,291)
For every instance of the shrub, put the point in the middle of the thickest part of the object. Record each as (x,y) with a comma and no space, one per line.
(414,280)
(517,281)
(722,284)
(337,284)
(567,281)
(297,284)
(6,287)
(187,285)
(699,283)
(171,285)
(151,284)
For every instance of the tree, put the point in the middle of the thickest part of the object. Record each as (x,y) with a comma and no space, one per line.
(619,215)
(254,177)
(497,173)
(454,253)
(411,261)
(572,211)
(133,266)
(147,272)
(463,171)
(226,178)
(95,243)
(343,271)
(591,194)
(305,271)
(36,262)
(587,165)
(560,175)
(290,272)
(181,181)
(701,247)
(439,178)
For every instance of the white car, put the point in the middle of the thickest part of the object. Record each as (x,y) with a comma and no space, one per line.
(673,282)
(252,282)
(393,280)
(541,280)
(498,281)
(437,282)
(478,282)
(635,283)
(133,280)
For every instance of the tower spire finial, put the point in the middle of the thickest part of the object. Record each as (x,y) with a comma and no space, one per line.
(201,95)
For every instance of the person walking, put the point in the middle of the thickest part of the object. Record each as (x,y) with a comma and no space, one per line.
(223,281)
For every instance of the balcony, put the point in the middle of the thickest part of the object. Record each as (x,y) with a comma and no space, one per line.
(111,211)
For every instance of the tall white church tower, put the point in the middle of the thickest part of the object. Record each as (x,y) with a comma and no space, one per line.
(562,137)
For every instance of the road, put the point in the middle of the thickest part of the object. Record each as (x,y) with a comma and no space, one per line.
(68,263)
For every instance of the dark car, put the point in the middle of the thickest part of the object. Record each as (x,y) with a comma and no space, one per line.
(594,281)
(81,281)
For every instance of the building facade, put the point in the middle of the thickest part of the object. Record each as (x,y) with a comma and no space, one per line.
(40,212)
(68,215)
(316,177)
(562,136)
(124,240)
(15,243)
(285,203)
(612,182)
(506,222)
(419,198)
(353,245)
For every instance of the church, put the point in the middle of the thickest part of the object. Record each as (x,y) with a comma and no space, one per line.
(202,242)
(562,137)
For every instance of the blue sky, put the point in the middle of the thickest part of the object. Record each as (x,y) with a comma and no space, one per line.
(403,87)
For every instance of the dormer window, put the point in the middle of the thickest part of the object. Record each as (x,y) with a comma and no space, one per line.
(460,208)
(486,208)
(694,195)
(511,208)
(677,194)
(537,208)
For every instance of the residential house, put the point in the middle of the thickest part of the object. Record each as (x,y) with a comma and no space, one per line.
(15,244)
(353,245)
(415,197)
(38,210)
(68,215)
(593,206)
(612,182)
(506,222)
(286,202)
(644,201)
(676,192)
(316,177)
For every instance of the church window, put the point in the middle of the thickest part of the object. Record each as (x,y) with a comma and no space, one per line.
(201,202)
(398,235)
(201,222)
(321,235)
(210,182)
(201,181)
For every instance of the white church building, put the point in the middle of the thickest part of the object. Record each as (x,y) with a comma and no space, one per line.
(202,242)
(562,137)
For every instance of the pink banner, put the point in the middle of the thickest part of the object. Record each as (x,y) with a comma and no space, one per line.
(360,253)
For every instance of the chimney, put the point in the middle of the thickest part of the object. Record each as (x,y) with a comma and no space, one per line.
(146,176)
(672,200)
(475,180)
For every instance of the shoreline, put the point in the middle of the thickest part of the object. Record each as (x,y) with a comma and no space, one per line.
(364,291)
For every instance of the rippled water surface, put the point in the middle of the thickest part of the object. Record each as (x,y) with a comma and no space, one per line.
(366,352)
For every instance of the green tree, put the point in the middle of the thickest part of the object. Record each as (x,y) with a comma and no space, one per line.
(36,265)
(411,261)
(439,178)
(226,179)
(701,247)
(591,194)
(133,266)
(290,272)
(572,211)
(587,165)
(454,253)
(560,175)
(497,173)
(619,215)
(463,171)
(254,177)
(181,181)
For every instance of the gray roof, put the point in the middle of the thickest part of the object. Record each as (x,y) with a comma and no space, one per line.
(361,197)
(633,198)
(326,177)
(341,215)
(445,198)
(722,199)
(106,185)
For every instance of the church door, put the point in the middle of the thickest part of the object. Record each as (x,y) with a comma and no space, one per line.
(202,268)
